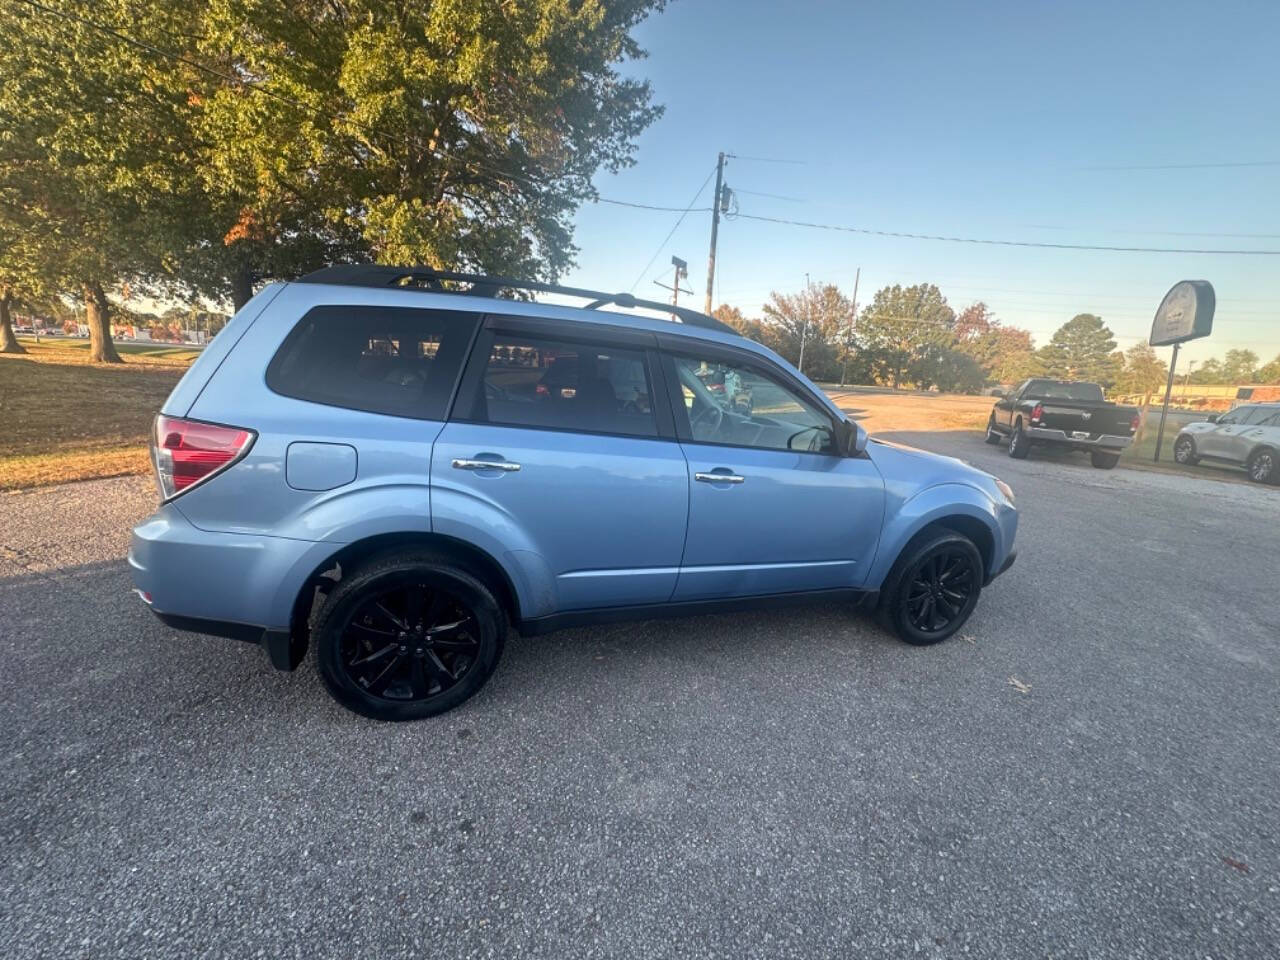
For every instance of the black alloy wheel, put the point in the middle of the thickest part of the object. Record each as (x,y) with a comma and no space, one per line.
(409,643)
(408,637)
(934,588)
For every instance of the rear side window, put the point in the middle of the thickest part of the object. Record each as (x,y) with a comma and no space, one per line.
(1259,416)
(394,360)
(566,385)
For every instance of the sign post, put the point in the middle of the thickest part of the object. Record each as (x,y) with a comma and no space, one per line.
(1185,313)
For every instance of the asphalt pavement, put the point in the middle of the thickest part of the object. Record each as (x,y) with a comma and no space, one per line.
(1091,770)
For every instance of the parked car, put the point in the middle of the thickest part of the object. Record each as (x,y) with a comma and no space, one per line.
(1248,436)
(337,470)
(1062,413)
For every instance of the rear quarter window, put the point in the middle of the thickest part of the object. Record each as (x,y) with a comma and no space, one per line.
(399,361)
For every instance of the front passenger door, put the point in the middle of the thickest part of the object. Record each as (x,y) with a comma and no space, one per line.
(773,507)
(1221,440)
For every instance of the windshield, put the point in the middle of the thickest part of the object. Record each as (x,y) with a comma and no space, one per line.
(1064,390)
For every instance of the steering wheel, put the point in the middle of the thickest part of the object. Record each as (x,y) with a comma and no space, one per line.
(705,414)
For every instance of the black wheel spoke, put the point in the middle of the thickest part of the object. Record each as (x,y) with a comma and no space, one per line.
(378,685)
(409,643)
(444,676)
(376,655)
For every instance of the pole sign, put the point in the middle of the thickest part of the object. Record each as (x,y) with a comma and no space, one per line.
(1186,313)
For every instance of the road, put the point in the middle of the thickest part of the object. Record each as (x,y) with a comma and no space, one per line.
(789,784)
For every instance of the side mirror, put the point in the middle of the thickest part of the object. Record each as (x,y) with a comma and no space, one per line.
(1212,418)
(851,438)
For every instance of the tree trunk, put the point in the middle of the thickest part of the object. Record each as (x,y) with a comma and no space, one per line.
(8,341)
(97,317)
(241,288)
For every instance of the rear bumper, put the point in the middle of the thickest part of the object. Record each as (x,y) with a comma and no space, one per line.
(225,584)
(1106,441)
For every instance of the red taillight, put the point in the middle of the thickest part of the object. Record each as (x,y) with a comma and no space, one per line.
(1037,411)
(1135,422)
(185,452)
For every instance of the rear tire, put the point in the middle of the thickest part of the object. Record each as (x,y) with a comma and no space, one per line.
(1103,461)
(408,635)
(1264,466)
(1184,452)
(932,589)
(992,436)
(1019,445)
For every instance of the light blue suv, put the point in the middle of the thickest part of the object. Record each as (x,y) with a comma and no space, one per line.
(394,465)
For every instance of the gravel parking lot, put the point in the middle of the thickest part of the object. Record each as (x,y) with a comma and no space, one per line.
(1092,771)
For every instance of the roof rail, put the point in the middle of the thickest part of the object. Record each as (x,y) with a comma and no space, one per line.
(377,275)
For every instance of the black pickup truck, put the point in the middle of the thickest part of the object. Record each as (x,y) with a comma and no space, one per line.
(1063,413)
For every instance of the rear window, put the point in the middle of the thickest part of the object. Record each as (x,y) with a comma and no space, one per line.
(566,385)
(1063,390)
(399,361)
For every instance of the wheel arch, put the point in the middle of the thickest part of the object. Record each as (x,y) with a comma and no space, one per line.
(953,506)
(347,556)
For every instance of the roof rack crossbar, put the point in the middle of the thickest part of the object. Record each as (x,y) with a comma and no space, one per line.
(377,275)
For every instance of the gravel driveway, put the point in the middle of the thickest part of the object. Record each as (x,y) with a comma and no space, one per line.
(1092,771)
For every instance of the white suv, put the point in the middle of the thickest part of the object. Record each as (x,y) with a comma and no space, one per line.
(1248,436)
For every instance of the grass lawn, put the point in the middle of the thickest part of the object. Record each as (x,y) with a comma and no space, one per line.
(62,418)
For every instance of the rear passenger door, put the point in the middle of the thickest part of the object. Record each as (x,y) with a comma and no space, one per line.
(557,442)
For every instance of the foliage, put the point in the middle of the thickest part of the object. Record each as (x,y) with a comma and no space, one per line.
(907,332)
(276,138)
(819,316)
(1082,349)
(1271,372)
(1143,371)
(1240,366)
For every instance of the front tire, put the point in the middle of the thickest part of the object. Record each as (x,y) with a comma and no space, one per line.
(1019,445)
(992,436)
(1184,452)
(408,635)
(933,588)
(1263,466)
(1103,460)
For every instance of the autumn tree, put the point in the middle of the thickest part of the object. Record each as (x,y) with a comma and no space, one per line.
(1240,366)
(1081,349)
(1143,371)
(1271,372)
(817,316)
(904,331)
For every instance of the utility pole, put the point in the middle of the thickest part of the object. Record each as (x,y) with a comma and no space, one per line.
(804,328)
(848,338)
(715,229)
(682,272)
(1191,365)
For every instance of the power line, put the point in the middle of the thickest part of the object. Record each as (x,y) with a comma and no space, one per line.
(1186,166)
(683,213)
(739,156)
(999,243)
(650,206)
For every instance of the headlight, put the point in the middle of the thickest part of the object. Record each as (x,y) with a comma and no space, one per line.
(1006,490)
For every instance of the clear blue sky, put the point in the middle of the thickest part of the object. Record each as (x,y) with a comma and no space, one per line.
(982,119)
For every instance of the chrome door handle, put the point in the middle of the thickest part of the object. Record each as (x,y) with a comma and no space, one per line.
(486,465)
(719,478)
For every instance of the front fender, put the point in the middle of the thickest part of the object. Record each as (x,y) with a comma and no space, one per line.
(937,503)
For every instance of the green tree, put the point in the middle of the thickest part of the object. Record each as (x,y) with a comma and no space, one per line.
(1210,372)
(1240,366)
(1271,372)
(1143,371)
(818,315)
(1081,349)
(904,332)
(456,135)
